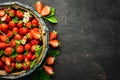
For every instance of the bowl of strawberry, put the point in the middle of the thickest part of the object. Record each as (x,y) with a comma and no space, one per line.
(23,40)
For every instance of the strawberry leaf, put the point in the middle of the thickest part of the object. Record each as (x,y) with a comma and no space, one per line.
(15,19)
(1,52)
(14,54)
(51,19)
(43,75)
(38,51)
(52,12)
(53,53)
(32,63)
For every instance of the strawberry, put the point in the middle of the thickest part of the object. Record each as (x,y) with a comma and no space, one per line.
(29,55)
(11,24)
(23,31)
(33,57)
(9,34)
(13,65)
(11,12)
(27,46)
(33,48)
(45,11)
(50,60)
(18,66)
(8,18)
(13,43)
(53,35)
(29,36)
(34,22)
(3,58)
(2,12)
(15,30)
(4,27)
(1,64)
(36,35)
(24,40)
(20,58)
(17,37)
(3,45)
(4,18)
(54,43)
(8,69)
(28,24)
(38,6)
(8,51)
(26,65)
(34,42)
(20,24)
(20,49)
(48,70)
(4,38)
(7,61)
(19,14)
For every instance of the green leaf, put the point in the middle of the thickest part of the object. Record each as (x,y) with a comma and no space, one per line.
(52,12)
(53,53)
(43,75)
(14,54)
(38,51)
(51,19)
(32,63)
(1,52)
(15,19)
(36,76)
(26,51)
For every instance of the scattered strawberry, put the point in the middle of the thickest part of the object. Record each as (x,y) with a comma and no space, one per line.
(20,58)
(11,12)
(8,51)
(53,35)
(27,46)
(20,49)
(20,24)
(45,11)
(54,43)
(23,31)
(28,24)
(19,13)
(50,60)
(34,22)
(48,70)
(11,24)
(38,6)
(17,37)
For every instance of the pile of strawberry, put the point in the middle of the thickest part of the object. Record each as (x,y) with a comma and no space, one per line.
(20,41)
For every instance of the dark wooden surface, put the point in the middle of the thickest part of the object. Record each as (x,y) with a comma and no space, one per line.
(89,31)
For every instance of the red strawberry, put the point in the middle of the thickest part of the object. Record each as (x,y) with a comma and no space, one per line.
(24,40)
(34,42)
(4,38)
(8,69)
(50,60)
(3,58)
(33,48)
(7,61)
(4,27)
(28,24)
(11,24)
(45,11)
(4,18)
(1,64)
(34,22)
(8,18)
(3,45)
(11,12)
(48,69)
(8,51)
(54,43)
(2,12)
(13,65)
(20,49)
(19,13)
(20,24)
(33,57)
(23,31)
(26,65)
(29,36)
(18,66)
(13,43)
(36,35)
(9,34)
(20,58)
(29,55)
(15,30)
(53,35)
(38,6)
(17,37)
(27,46)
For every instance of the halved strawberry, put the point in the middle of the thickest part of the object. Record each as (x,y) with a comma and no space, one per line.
(54,43)
(36,35)
(53,35)
(38,6)
(4,18)
(45,11)
(19,13)
(50,60)
(48,70)
(11,12)
(2,12)
(34,22)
